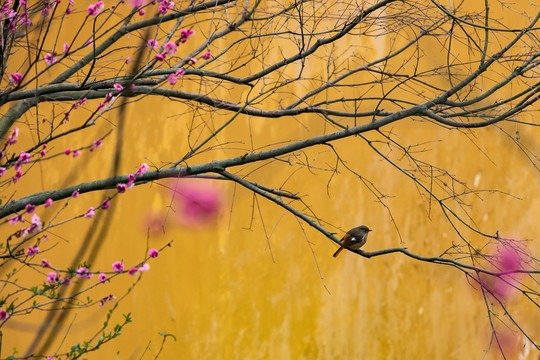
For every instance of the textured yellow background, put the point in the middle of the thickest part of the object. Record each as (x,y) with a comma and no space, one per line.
(240,290)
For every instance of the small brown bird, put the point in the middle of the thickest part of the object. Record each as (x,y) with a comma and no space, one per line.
(354,239)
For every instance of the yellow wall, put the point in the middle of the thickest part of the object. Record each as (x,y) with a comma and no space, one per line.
(226,291)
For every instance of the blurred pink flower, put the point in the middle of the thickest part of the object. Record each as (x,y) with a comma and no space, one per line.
(198,202)
(153,222)
(508,261)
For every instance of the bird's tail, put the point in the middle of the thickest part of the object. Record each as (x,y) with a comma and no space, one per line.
(338,251)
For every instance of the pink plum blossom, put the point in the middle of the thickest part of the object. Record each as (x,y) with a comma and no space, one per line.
(45,263)
(32,251)
(90,213)
(96,144)
(68,151)
(172,79)
(118,266)
(133,271)
(24,158)
(121,188)
(142,169)
(170,48)
(144,268)
(118,87)
(53,278)
(160,57)
(105,299)
(75,194)
(30,208)
(207,55)
(48,203)
(15,219)
(76,153)
(66,47)
(15,78)
(153,253)
(17,176)
(105,205)
(102,277)
(50,58)
(82,272)
(153,44)
(3,315)
(95,9)
(2,171)
(165,6)
(36,224)
(185,34)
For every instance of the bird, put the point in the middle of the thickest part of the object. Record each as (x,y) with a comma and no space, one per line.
(354,239)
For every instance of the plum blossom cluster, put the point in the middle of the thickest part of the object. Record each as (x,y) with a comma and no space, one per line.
(169,49)
(96,144)
(92,211)
(108,99)
(35,226)
(173,78)
(122,188)
(185,34)
(105,299)
(23,158)
(54,278)
(165,6)
(13,138)
(118,267)
(48,5)
(75,106)
(11,18)
(95,9)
